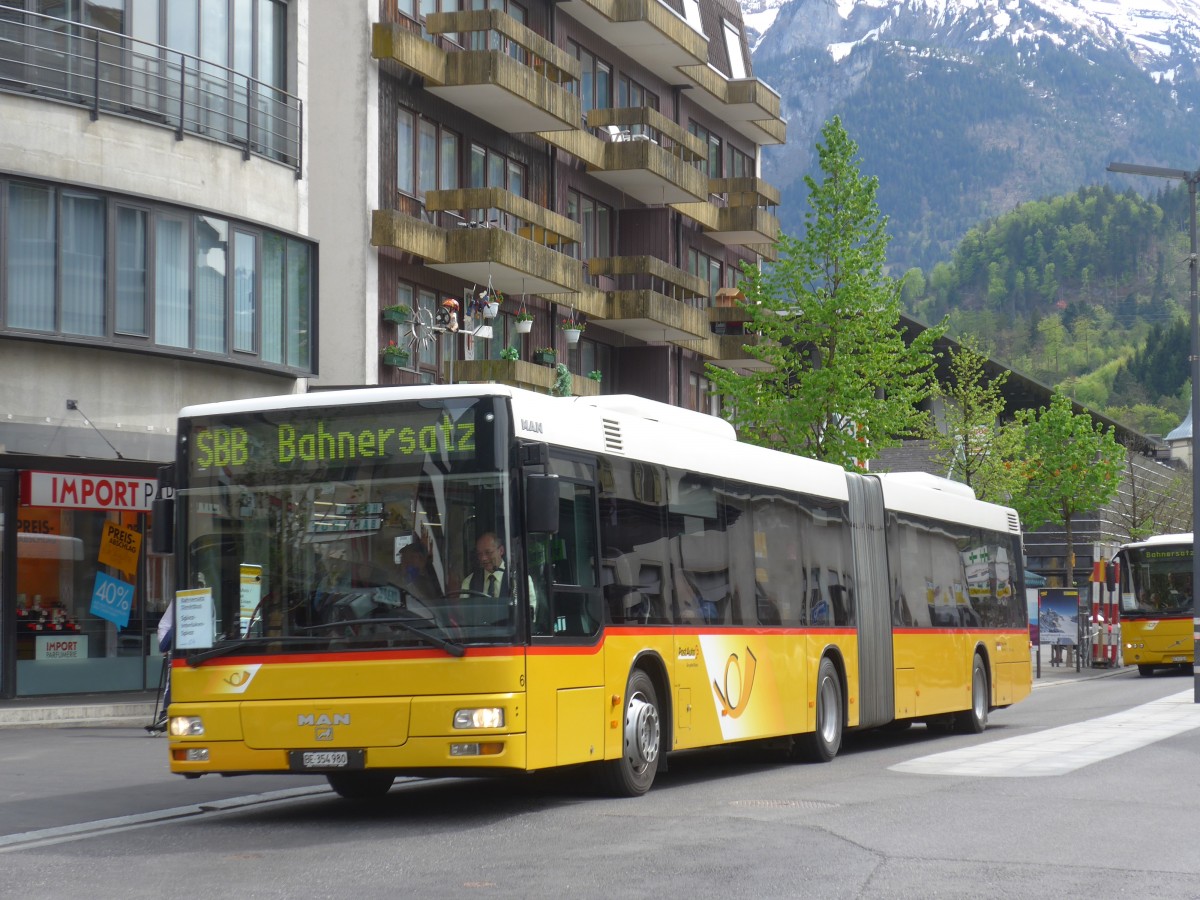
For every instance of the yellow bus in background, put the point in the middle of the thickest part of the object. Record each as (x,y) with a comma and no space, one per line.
(661,587)
(1156,603)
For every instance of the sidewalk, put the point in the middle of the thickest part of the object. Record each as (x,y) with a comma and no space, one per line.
(1067,672)
(76,710)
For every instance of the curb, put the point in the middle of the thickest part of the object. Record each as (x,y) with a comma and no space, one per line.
(109,715)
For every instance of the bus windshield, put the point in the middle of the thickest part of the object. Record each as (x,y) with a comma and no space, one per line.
(346,529)
(1159,581)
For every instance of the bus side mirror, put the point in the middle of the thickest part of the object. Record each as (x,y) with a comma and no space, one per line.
(1112,574)
(541,503)
(162,526)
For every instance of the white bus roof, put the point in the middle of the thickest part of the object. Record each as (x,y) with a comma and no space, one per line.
(654,432)
(1160,540)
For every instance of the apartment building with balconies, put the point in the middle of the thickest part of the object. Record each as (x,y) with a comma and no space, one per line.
(588,161)
(154,253)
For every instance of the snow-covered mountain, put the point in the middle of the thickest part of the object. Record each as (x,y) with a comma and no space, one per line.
(964,108)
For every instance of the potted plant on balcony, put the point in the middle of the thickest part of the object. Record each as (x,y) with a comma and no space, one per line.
(491,305)
(393,354)
(510,353)
(524,321)
(397,314)
(486,304)
(595,375)
(563,381)
(572,329)
(545,356)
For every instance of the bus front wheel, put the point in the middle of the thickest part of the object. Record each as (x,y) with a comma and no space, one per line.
(641,737)
(823,744)
(974,720)
(360,785)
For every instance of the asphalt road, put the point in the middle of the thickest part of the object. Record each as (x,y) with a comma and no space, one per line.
(92,812)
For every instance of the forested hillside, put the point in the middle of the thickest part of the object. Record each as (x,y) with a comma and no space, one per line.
(1087,292)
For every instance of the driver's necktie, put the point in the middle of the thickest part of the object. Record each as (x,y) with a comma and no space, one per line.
(491,585)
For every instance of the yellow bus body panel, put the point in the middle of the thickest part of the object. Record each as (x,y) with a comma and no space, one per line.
(399,709)
(1158,642)
(934,669)
(563,704)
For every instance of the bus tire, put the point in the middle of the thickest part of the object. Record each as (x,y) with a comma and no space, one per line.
(974,720)
(641,740)
(360,785)
(822,745)
(1145,671)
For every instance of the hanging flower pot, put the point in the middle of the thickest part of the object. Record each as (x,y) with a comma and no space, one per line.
(491,309)
(572,328)
(524,326)
(484,332)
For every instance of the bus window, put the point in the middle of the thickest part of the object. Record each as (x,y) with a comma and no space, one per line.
(574,609)
(633,539)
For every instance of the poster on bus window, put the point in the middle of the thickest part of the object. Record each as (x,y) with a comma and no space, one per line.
(1058,616)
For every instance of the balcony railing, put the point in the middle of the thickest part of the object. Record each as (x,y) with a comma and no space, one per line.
(111,73)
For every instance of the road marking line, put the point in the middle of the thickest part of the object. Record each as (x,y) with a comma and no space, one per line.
(1058,751)
(58,835)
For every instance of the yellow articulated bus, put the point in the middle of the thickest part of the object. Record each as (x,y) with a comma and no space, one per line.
(1156,603)
(475,579)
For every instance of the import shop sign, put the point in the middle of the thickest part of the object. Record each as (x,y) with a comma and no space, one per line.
(53,647)
(118,493)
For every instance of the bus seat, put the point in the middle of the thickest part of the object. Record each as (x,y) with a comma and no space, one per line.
(622,591)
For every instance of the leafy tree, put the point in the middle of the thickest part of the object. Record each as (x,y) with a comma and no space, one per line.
(1052,332)
(843,383)
(1071,465)
(975,447)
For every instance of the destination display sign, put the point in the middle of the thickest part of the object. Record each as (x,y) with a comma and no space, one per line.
(311,440)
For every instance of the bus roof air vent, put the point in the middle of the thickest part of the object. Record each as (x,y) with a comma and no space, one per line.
(612,436)
(1014,523)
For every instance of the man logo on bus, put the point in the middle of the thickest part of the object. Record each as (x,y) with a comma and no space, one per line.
(736,697)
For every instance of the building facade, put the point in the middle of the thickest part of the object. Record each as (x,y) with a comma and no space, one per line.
(168,169)
(584,162)
(154,252)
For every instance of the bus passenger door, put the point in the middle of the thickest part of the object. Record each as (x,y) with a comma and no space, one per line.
(566,661)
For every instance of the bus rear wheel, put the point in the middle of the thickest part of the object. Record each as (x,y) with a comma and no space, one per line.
(823,744)
(974,720)
(360,785)
(641,736)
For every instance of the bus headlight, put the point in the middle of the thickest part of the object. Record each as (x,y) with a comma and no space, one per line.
(185,726)
(484,717)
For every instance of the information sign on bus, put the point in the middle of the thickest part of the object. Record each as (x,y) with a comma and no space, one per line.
(300,441)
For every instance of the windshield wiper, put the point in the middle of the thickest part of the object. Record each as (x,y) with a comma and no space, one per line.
(403,623)
(233,645)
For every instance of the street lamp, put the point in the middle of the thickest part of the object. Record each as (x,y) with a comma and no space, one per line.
(1190,179)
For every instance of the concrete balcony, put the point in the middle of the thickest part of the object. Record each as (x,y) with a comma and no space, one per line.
(513,372)
(647,30)
(731,338)
(748,105)
(506,74)
(497,238)
(653,301)
(648,157)
(739,211)
(729,351)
